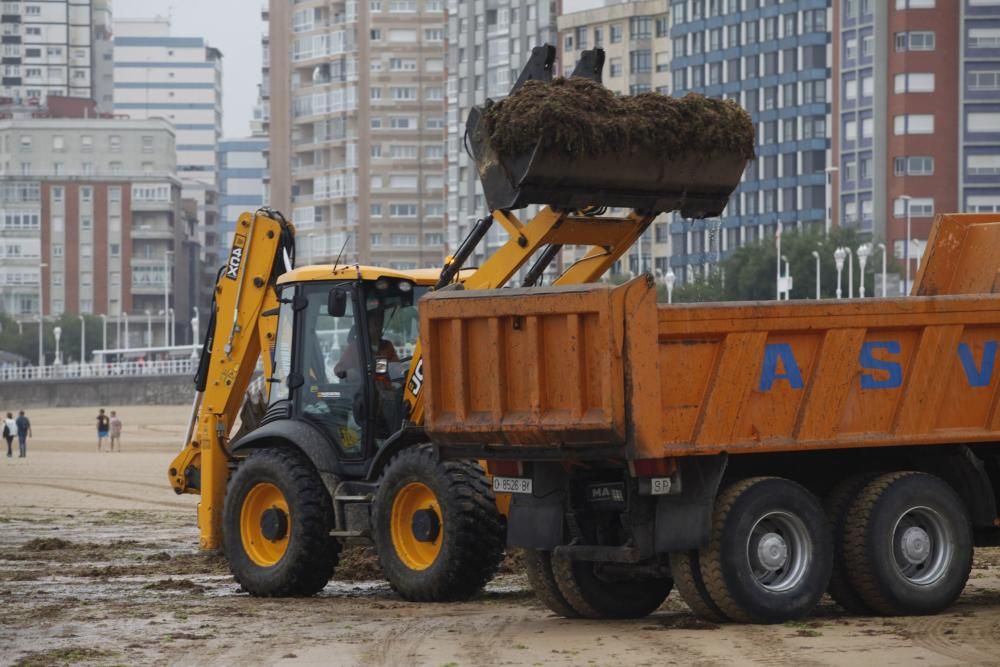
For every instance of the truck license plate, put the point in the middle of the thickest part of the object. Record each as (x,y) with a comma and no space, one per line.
(512,485)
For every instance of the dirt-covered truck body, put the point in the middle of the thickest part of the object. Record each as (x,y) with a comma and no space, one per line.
(630,430)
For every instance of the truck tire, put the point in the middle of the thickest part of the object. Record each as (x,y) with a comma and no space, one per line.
(908,544)
(538,565)
(836,504)
(276,523)
(437,529)
(686,571)
(593,595)
(770,553)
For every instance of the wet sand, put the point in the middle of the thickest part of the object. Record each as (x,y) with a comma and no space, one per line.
(99,566)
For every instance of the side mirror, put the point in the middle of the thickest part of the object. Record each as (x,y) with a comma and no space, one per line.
(336,305)
(381,365)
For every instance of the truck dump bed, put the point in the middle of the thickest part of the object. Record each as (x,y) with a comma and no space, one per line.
(598,370)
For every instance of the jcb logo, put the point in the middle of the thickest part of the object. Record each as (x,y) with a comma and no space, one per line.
(417,381)
(236,256)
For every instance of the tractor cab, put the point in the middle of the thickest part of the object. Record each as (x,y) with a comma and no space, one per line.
(342,353)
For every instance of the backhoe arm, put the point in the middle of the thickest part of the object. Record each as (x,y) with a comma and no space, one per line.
(243,323)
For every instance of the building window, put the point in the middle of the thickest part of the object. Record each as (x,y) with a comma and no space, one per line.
(402,210)
(375,211)
(581,38)
(915,41)
(86,193)
(376,239)
(115,143)
(914,166)
(914,4)
(616,33)
(983,165)
(984,80)
(640,62)
(114,249)
(615,67)
(983,122)
(920,207)
(640,27)
(915,83)
(147,144)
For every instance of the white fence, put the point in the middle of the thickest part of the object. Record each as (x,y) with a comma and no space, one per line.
(119,369)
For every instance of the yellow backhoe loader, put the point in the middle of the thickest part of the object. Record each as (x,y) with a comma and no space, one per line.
(338,452)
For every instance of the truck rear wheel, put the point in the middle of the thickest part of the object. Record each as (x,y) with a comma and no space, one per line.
(769,556)
(908,544)
(538,565)
(837,503)
(437,529)
(594,590)
(686,571)
(276,524)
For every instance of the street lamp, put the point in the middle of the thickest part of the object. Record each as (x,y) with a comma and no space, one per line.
(830,171)
(149,329)
(864,251)
(41,311)
(104,334)
(816,255)
(58,359)
(788,278)
(883,249)
(906,249)
(166,295)
(125,317)
(83,340)
(170,315)
(850,273)
(670,279)
(839,255)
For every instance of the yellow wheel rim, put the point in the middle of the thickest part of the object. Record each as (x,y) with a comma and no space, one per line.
(265,539)
(417,526)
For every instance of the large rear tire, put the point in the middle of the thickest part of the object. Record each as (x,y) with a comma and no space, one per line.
(276,524)
(538,565)
(837,503)
(908,544)
(437,529)
(592,593)
(686,571)
(770,553)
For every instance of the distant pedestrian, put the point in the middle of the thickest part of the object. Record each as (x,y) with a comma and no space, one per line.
(116,431)
(103,426)
(9,431)
(23,425)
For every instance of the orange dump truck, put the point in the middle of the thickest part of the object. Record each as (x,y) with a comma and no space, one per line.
(752,455)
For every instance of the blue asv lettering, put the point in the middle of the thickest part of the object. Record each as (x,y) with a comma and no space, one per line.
(982,375)
(769,374)
(869,362)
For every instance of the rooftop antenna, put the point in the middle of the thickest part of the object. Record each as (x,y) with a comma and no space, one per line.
(347,237)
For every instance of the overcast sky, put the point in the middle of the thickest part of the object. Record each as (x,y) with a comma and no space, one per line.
(232,26)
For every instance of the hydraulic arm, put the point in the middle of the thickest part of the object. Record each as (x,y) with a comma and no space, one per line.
(242,324)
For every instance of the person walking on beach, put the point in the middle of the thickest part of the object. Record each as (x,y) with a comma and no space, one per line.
(9,431)
(23,425)
(103,425)
(116,431)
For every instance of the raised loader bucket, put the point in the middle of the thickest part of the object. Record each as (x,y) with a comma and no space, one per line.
(572,144)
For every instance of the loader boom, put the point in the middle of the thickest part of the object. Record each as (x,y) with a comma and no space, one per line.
(240,328)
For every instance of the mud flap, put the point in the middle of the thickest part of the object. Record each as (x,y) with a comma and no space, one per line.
(684,521)
(535,521)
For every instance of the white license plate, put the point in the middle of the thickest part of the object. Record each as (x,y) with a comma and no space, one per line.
(512,485)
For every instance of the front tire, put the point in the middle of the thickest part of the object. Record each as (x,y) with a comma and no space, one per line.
(437,529)
(592,593)
(908,544)
(277,518)
(770,553)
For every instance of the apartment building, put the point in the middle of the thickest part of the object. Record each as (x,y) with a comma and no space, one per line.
(636,40)
(917,98)
(488,45)
(54,47)
(159,75)
(774,58)
(355,112)
(88,211)
(242,170)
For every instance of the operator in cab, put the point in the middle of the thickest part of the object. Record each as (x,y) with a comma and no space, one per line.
(351,359)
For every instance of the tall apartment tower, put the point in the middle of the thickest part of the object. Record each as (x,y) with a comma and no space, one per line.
(774,58)
(488,44)
(635,37)
(158,75)
(917,99)
(355,111)
(54,47)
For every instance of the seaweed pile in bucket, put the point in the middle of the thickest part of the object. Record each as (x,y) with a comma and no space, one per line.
(578,117)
